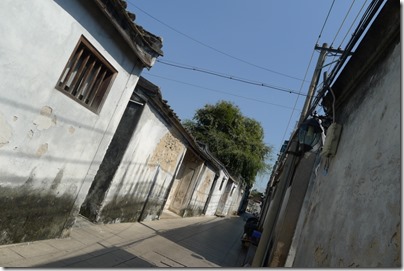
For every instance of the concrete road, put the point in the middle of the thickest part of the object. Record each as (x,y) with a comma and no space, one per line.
(170,242)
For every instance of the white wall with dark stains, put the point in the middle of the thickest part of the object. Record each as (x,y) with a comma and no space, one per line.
(353,213)
(50,145)
(141,183)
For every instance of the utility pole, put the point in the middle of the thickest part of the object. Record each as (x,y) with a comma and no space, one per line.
(265,246)
(314,82)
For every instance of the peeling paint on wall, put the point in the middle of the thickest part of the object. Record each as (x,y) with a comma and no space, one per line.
(46,119)
(5,131)
(167,152)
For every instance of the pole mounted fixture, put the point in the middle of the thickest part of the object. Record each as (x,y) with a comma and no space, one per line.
(309,134)
(331,50)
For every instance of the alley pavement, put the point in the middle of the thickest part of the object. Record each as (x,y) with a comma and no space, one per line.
(172,241)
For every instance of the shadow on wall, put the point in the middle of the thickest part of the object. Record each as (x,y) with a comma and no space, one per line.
(104,258)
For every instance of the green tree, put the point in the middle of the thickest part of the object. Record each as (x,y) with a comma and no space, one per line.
(237,141)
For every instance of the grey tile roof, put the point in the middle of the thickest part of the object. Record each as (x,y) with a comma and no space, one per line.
(146,45)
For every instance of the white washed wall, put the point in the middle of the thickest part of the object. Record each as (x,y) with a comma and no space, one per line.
(352,215)
(151,157)
(214,200)
(57,152)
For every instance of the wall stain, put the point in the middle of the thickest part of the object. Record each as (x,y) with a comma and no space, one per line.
(57,180)
(42,149)
(30,215)
(30,134)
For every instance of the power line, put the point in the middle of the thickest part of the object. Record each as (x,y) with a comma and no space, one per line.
(325,21)
(246,81)
(346,34)
(357,15)
(214,49)
(219,91)
(369,15)
(343,21)
(297,98)
(307,69)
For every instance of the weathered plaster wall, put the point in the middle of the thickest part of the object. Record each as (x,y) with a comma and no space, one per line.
(216,194)
(353,217)
(201,192)
(139,187)
(190,171)
(51,146)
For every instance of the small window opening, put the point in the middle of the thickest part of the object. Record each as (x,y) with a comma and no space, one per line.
(87,76)
(221,185)
(231,194)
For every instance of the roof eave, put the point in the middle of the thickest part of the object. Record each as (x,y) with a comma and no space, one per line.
(146,52)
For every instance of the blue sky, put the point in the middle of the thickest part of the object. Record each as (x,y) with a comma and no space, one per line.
(262,41)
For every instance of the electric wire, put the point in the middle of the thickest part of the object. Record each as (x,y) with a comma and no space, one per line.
(347,32)
(297,98)
(350,27)
(343,22)
(325,21)
(220,91)
(214,49)
(308,67)
(239,79)
(366,20)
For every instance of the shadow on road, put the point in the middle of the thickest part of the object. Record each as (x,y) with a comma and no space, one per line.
(104,258)
(218,241)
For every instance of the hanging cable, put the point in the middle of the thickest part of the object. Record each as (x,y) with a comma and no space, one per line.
(220,91)
(246,81)
(349,30)
(339,46)
(325,21)
(214,49)
(343,21)
(367,18)
(301,87)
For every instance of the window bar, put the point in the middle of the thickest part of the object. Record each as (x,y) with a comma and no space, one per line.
(83,85)
(79,75)
(66,79)
(90,88)
(103,88)
(97,88)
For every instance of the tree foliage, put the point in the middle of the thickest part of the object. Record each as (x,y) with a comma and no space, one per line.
(237,141)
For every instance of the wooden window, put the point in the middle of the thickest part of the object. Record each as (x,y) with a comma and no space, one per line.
(87,76)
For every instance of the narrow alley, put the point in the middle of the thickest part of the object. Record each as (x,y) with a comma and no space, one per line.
(206,241)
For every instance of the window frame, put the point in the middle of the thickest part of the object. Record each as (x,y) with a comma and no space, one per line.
(97,81)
